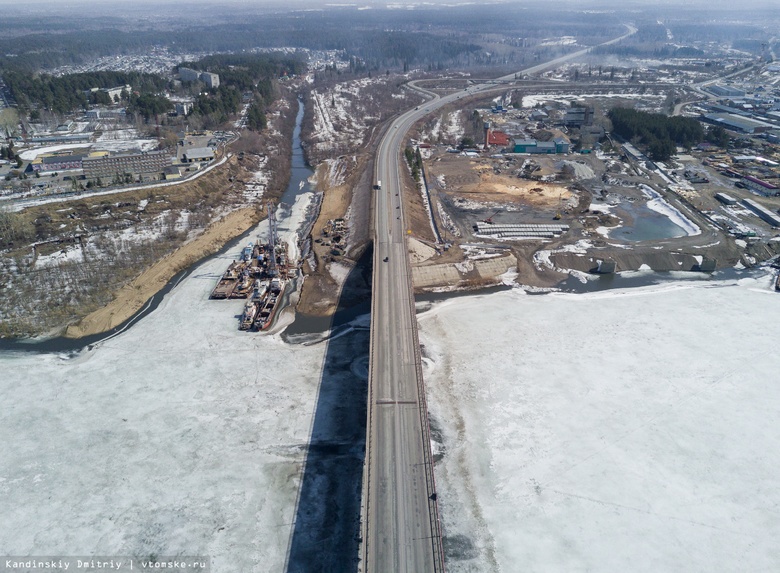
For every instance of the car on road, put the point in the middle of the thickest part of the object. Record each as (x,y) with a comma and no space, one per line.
(386,259)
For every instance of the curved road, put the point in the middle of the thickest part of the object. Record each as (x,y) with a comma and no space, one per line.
(401,531)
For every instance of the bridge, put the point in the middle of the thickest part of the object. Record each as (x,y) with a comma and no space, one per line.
(400,527)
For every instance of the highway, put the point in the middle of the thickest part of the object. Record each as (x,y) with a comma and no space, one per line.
(400,523)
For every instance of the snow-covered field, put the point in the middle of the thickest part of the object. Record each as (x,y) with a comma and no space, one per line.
(180,436)
(631,430)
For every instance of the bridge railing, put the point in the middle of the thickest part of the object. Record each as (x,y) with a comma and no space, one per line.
(425,424)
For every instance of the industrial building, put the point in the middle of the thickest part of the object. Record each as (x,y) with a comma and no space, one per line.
(725,198)
(497,138)
(578,116)
(725,91)
(200,154)
(557,145)
(760,186)
(762,212)
(737,123)
(146,163)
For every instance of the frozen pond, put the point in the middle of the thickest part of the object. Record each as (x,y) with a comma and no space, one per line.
(626,430)
(647,225)
(655,220)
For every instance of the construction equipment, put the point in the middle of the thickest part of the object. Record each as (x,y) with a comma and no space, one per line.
(490,219)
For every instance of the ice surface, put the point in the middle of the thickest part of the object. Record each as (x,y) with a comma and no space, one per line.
(658,204)
(181,436)
(630,430)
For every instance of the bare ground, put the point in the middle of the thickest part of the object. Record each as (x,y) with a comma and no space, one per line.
(132,297)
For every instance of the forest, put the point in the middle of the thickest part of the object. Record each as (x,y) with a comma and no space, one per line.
(67,93)
(241,74)
(430,36)
(661,134)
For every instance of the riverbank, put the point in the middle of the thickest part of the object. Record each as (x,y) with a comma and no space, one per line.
(132,297)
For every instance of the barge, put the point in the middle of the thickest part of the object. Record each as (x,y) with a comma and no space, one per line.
(260,275)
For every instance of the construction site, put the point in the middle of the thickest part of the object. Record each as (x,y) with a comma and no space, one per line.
(478,213)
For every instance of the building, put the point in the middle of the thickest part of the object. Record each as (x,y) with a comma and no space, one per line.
(56,163)
(557,145)
(578,116)
(172,172)
(135,164)
(725,198)
(561,145)
(725,91)
(738,123)
(188,75)
(760,186)
(101,113)
(762,212)
(113,93)
(199,154)
(183,108)
(211,80)
(498,138)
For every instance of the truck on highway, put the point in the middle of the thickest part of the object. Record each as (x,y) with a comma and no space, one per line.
(378,184)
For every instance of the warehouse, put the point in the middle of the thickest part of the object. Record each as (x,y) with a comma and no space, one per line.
(762,212)
(200,154)
(737,123)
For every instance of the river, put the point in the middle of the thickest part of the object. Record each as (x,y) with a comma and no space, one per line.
(300,172)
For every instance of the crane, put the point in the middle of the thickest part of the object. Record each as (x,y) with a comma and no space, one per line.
(490,219)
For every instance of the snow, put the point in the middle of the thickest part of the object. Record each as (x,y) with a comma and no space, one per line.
(624,430)
(180,436)
(338,271)
(31,154)
(116,140)
(71,253)
(255,188)
(533,100)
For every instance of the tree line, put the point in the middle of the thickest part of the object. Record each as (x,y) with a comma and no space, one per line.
(661,134)
(64,94)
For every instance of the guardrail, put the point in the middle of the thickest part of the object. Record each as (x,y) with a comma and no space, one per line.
(430,478)
(366,501)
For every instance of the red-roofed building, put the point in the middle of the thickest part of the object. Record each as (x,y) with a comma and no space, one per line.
(497,138)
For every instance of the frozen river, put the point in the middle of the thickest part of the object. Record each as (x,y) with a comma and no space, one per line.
(629,430)
(180,436)
(623,430)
